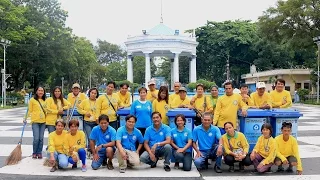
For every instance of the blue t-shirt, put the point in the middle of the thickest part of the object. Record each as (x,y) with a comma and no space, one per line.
(206,139)
(154,136)
(128,141)
(143,113)
(103,137)
(180,138)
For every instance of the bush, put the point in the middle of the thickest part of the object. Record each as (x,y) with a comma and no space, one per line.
(207,84)
(303,93)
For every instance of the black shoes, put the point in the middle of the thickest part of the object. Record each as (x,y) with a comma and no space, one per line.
(167,168)
(231,168)
(217,169)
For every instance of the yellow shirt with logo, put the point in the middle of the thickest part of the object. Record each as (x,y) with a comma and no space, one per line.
(172,97)
(125,99)
(162,107)
(178,102)
(88,106)
(278,97)
(149,95)
(58,143)
(77,141)
(267,148)
(104,106)
(35,111)
(231,144)
(201,106)
(259,101)
(72,99)
(52,110)
(288,148)
(227,108)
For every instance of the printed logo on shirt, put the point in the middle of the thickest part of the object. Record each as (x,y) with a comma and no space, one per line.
(149,108)
(79,142)
(107,136)
(124,137)
(210,134)
(138,106)
(174,135)
(166,107)
(266,149)
(161,133)
(239,144)
(134,137)
(186,134)
(235,102)
(114,100)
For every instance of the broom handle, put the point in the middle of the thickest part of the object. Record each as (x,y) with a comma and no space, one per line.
(24,125)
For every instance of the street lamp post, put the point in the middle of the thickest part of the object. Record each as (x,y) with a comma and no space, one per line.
(62,79)
(227,65)
(317,41)
(5,43)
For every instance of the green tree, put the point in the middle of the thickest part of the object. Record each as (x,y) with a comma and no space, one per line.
(139,67)
(108,52)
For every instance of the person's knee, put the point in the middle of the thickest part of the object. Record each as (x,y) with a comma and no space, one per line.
(167,147)
(144,158)
(64,163)
(81,151)
(178,156)
(247,161)
(135,162)
(95,165)
(277,162)
(110,152)
(228,159)
(293,163)
(198,162)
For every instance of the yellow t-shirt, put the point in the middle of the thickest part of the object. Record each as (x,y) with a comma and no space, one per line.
(52,110)
(288,148)
(200,105)
(77,141)
(266,148)
(72,99)
(162,107)
(125,99)
(248,101)
(58,143)
(236,142)
(104,106)
(35,111)
(149,96)
(178,102)
(172,97)
(278,97)
(259,101)
(88,106)
(227,108)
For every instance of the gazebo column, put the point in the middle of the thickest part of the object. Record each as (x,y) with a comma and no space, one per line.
(176,67)
(129,68)
(172,74)
(193,69)
(148,69)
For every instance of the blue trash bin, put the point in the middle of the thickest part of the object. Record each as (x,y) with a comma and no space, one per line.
(250,126)
(75,116)
(285,115)
(123,113)
(188,113)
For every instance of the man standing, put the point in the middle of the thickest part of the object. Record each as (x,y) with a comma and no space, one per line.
(207,137)
(102,143)
(280,97)
(157,143)
(152,94)
(76,96)
(260,98)
(227,108)
(127,136)
(182,101)
(244,89)
(124,95)
(177,86)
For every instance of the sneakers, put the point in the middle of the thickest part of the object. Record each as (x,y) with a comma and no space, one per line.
(167,168)
(122,170)
(280,169)
(104,163)
(155,164)
(289,170)
(74,166)
(176,165)
(231,168)
(39,156)
(241,168)
(84,168)
(217,169)
(110,165)
(53,169)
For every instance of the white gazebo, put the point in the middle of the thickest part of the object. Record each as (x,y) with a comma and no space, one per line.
(162,41)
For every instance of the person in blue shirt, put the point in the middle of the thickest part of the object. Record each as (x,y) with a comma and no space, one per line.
(127,136)
(102,143)
(157,143)
(207,137)
(181,142)
(142,109)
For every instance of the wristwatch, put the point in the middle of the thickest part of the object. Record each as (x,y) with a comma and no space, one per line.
(158,144)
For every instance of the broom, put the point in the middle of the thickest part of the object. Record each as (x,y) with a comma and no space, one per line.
(16,155)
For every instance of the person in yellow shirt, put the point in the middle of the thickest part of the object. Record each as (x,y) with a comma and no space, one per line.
(77,144)
(280,97)
(260,98)
(161,104)
(54,107)
(58,150)
(287,150)
(124,95)
(201,103)
(88,109)
(38,121)
(176,87)
(214,97)
(236,148)
(152,94)
(109,104)
(76,96)
(264,151)
(182,101)
(227,108)
(244,89)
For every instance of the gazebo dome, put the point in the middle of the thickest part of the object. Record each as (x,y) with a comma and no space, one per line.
(161,29)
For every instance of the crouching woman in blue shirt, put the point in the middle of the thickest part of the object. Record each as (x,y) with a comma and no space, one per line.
(181,141)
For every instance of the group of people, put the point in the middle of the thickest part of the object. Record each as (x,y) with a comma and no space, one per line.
(146,136)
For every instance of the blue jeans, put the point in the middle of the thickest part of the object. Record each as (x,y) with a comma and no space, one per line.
(102,157)
(185,159)
(82,156)
(87,127)
(38,133)
(208,154)
(61,158)
(164,151)
(51,128)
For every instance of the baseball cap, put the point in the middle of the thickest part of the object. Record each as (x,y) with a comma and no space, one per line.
(76,85)
(183,89)
(151,82)
(260,85)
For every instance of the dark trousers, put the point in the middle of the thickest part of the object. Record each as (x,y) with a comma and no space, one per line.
(229,160)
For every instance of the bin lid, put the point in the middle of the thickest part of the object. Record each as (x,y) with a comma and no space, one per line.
(75,113)
(257,113)
(124,111)
(185,111)
(290,112)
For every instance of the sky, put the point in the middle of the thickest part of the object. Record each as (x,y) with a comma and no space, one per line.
(115,20)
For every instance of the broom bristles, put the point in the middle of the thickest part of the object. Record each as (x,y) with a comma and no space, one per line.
(15,156)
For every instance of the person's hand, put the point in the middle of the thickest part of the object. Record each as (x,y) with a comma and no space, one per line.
(252,155)
(284,101)
(219,151)
(285,162)
(244,113)
(193,100)
(123,155)
(198,155)
(98,148)
(153,157)
(52,161)
(154,95)
(180,150)
(95,157)
(88,114)
(60,111)
(299,172)
(24,121)
(120,107)
(154,147)
(260,165)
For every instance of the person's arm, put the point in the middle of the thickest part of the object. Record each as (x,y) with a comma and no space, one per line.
(98,106)
(82,141)
(288,101)
(217,112)
(51,143)
(93,146)
(67,104)
(226,146)
(168,138)
(112,143)
(154,103)
(81,108)
(245,144)
(275,104)
(48,107)
(272,152)
(189,144)
(297,155)
(127,103)
(133,109)
(209,105)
